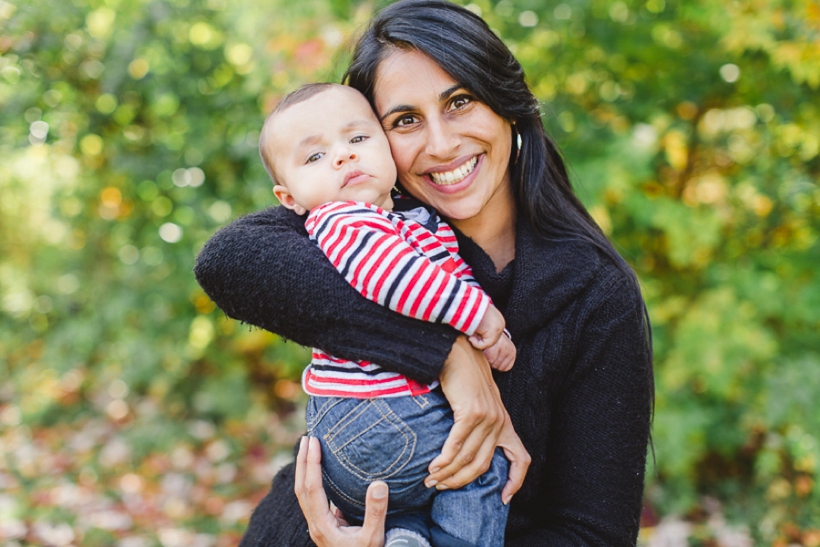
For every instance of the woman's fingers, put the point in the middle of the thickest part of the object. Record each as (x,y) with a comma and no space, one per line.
(299,475)
(459,474)
(340,517)
(374,514)
(519,459)
(459,450)
(316,498)
(321,521)
(467,451)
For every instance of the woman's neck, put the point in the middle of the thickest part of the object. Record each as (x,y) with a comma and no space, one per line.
(493,229)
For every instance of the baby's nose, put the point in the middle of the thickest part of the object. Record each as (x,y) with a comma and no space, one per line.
(345,154)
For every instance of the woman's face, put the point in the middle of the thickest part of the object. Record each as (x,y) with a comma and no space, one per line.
(451,150)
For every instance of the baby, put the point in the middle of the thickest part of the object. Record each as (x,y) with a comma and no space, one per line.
(328,155)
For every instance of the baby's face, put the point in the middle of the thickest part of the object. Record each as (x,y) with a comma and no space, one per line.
(331,147)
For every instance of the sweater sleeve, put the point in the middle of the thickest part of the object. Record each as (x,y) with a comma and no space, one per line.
(278,520)
(596,452)
(262,269)
(370,253)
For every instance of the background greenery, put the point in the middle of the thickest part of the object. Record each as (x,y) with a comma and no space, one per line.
(134,413)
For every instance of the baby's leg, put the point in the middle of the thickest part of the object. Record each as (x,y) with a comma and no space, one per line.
(473,515)
(388,439)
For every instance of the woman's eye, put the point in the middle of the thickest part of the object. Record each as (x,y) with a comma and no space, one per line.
(358,138)
(315,157)
(404,121)
(460,102)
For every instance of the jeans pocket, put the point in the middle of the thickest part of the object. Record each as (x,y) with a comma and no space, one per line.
(370,441)
(318,408)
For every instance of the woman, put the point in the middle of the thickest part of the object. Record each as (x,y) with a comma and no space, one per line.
(450,95)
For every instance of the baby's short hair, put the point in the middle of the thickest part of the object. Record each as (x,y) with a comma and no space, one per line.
(265,138)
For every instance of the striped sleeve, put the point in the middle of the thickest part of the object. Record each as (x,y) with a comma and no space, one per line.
(445,234)
(369,251)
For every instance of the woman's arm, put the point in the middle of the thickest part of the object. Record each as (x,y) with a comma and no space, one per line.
(596,452)
(262,269)
(481,424)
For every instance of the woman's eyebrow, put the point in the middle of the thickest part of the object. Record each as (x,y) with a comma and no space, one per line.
(447,92)
(444,95)
(396,109)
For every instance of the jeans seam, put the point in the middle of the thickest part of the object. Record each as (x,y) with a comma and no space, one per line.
(355,412)
(404,429)
(421,400)
(341,494)
(320,412)
(399,424)
(390,417)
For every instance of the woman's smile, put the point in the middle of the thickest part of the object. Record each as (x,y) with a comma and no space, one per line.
(450,176)
(453,181)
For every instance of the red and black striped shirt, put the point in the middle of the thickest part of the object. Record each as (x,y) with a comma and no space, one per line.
(393,259)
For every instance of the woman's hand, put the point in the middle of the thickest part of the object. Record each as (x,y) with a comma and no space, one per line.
(481,424)
(328,529)
(519,459)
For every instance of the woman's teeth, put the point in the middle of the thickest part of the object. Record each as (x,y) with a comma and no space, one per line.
(456,175)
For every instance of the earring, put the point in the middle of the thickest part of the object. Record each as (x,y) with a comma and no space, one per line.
(518,142)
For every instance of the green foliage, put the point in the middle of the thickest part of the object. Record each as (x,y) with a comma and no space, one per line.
(128,135)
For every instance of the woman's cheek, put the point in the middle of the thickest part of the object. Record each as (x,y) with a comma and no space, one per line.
(403,149)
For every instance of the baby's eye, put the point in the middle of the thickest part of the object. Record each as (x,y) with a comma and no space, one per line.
(358,138)
(315,157)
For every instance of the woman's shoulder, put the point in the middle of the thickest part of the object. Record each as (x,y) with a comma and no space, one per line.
(268,221)
(560,276)
(577,258)
(250,239)
(271,216)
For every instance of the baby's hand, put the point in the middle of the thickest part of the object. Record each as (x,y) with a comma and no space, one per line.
(501,355)
(489,330)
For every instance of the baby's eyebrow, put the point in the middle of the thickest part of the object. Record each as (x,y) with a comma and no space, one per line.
(310,139)
(353,124)
(357,123)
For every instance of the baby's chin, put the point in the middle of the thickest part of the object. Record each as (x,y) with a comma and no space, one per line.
(366,196)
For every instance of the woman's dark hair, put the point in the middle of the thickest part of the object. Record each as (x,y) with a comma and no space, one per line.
(462,44)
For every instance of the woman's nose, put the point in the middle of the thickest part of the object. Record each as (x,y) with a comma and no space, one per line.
(442,140)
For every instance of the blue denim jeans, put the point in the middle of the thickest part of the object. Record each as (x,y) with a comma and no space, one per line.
(393,440)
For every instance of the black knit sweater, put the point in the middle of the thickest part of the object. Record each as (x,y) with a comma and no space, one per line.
(579,395)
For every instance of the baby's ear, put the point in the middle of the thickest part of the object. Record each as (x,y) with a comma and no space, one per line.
(284,197)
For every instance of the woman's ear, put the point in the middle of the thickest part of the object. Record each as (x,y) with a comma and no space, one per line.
(284,197)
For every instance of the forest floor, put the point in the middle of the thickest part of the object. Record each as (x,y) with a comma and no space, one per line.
(143,481)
